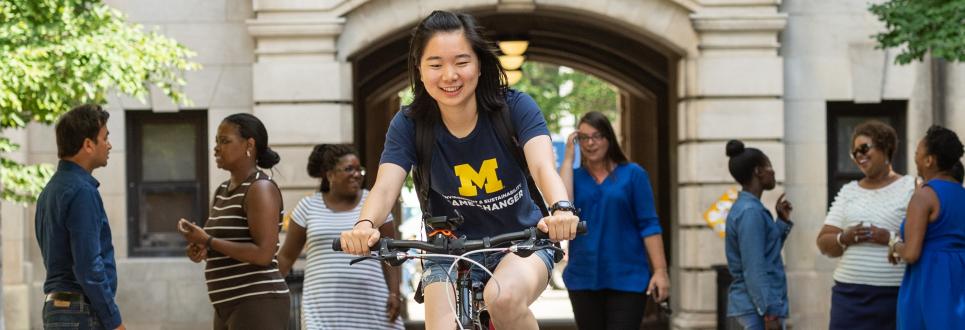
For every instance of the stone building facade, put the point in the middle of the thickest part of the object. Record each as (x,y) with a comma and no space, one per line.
(692,74)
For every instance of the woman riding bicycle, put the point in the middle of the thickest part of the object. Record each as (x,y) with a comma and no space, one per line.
(458,83)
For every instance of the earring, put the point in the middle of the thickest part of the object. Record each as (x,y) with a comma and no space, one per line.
(248,153)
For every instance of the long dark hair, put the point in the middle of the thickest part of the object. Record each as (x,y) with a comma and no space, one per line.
(324,157)
(250,127)
(491,89)
(602,124)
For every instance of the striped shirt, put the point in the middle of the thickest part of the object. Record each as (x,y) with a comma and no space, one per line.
(867,263)
(337,295)
(229,279)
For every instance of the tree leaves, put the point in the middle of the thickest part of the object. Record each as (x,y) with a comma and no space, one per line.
(921,26)
(562,92)
(57,54)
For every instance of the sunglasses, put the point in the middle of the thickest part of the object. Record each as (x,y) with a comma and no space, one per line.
(862,149)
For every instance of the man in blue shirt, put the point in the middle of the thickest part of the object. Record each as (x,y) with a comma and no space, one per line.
(72,228)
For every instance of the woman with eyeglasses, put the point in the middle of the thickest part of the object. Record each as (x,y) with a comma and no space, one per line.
(336,295)
(620,261)
(865,214)
(932,294)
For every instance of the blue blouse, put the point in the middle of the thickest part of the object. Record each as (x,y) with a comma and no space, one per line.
(619,213)
(753,247)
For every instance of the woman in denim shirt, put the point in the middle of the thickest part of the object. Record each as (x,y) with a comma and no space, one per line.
(758,294)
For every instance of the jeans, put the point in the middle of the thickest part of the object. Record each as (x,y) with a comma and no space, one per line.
(70,315)
(753,321)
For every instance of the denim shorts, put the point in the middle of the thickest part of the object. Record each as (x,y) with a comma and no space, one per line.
(76,315)
(435,268)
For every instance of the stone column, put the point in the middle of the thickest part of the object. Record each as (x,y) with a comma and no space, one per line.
(731,89)
(17,267)
(301,91)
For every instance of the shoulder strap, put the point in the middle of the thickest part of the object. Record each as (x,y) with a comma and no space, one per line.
(503,124)
(424,144)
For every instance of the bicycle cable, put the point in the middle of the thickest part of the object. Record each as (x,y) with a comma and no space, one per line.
(463,257)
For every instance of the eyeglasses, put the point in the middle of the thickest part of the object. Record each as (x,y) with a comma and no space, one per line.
(352,170)
(596,137)
(862,149)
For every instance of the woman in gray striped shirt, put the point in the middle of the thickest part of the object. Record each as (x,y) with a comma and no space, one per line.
(864,216)
(338,295)
(240,237)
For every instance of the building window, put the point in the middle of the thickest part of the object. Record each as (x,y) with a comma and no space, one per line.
(842,118)
(167,178)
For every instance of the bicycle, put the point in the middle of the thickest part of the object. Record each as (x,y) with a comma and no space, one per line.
(469,307)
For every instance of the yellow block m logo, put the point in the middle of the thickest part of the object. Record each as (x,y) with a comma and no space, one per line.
(486,178)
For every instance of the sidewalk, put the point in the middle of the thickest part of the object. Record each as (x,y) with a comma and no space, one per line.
(552,310)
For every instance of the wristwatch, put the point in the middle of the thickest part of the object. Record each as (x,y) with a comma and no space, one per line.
(563,206)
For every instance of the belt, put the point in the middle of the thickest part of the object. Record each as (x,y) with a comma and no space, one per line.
(65,296)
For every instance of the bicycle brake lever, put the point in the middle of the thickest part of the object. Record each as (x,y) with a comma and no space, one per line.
(360,259)
(526,248)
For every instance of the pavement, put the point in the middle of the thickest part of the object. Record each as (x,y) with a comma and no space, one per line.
(552,309)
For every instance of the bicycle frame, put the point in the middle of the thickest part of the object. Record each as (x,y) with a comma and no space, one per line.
(469,297)
(466,297)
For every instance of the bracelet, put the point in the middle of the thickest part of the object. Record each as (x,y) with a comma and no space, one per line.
(895,239)
(838,240)
(207,243)
(893,245)
(366,220)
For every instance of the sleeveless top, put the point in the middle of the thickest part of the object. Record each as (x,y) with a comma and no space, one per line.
(932,293)
(229,279)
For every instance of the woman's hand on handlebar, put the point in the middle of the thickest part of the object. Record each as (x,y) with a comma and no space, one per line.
(358,240)
(561,225)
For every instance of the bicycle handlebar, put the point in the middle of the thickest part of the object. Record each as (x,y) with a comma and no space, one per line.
(447,246)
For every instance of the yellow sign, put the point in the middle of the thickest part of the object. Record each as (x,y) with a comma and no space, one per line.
(716,215)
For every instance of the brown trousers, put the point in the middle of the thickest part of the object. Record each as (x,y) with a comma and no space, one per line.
(255,313)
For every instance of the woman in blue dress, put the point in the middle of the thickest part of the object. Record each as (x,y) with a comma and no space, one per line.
(609,275)
(932,293)
(758,293)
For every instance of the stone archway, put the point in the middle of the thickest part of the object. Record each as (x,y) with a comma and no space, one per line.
(690,72)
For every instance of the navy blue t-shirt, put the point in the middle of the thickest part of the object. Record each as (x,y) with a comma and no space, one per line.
(475,174)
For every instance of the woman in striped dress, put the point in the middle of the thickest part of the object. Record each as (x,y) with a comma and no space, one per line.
(337,295)
(240,237)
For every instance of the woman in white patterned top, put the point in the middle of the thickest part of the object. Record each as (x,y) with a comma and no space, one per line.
(862,219)
(337,295)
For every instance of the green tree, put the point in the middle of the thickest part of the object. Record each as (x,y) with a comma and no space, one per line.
(57,54)
(918,27)
(561,92)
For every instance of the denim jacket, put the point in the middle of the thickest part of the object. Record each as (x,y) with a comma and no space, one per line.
(753,246)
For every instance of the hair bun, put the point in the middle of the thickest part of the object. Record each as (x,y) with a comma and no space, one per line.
(734,148)
(268,158)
